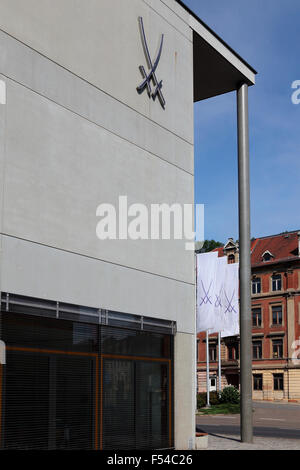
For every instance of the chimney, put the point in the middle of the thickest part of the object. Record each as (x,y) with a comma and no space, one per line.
(299,244)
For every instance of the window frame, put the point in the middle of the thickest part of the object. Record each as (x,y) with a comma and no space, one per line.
(274,340)
(278,310)
(256,281)
(231,259)
(259,346)
(274,282)
(257,308)
(260,379)
(270,320)
(233,347)
(278,382)
(212,347)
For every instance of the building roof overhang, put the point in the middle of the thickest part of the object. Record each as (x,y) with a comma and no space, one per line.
(218,69)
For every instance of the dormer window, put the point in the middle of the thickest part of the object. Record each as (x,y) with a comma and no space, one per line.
(267,256)
(231,259)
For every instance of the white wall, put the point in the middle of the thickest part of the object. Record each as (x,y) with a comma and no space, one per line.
(69,145)
(100,42)
(74,133)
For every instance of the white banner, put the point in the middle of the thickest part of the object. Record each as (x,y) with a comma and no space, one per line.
(217,295)
(220,275)
(230,302)
(206,272)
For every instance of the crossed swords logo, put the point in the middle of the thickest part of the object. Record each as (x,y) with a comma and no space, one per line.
(206,299)
(150,76)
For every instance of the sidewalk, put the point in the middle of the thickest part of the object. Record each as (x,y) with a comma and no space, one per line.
(276,426)
(223,442)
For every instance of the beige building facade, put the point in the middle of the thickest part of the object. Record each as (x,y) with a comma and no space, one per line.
(275,322)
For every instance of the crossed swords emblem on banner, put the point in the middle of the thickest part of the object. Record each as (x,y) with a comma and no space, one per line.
(150,76)
(207,299)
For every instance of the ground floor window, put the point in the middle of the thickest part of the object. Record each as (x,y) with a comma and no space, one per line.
(257,382)
(213,384)
(73,385)
(278,381)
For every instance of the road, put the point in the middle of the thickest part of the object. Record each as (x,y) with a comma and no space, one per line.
(270,420)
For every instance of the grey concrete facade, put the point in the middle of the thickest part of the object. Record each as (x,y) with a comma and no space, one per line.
(74,134)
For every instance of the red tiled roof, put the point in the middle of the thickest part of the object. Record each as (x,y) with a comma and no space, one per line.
(283,247)
(220,251)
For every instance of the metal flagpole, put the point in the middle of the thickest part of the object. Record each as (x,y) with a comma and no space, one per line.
(196,336)
(245,265)
(219,361)
(207,371)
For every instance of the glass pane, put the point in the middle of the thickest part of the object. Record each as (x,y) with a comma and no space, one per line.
(258,288)
(118,404)
(48,333)
(135,343)
(26,401)
(74,403)
(135,405)
(256,317)
(152,405)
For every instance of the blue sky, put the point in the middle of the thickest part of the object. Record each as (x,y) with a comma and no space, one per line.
(266,33)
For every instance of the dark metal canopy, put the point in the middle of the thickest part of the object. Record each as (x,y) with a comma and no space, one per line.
(213,73)
(218,68)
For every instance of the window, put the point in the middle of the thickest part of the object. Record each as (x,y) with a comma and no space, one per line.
(278,381)
(277,348)
(198,342)
(233,352)
(256,285)
(212,352)
(276,282)
(213,384)
(256,317)
(257,349)
(51,396)
(257,382)
(231,259)
(277,315)
(267,256)
(51,389)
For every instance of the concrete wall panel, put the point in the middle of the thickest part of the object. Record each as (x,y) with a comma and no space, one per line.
(60,167)
(185,391)
(34,71)
(81,37)
(35,270)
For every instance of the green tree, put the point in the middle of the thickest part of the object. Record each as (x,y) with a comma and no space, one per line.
(208,246)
